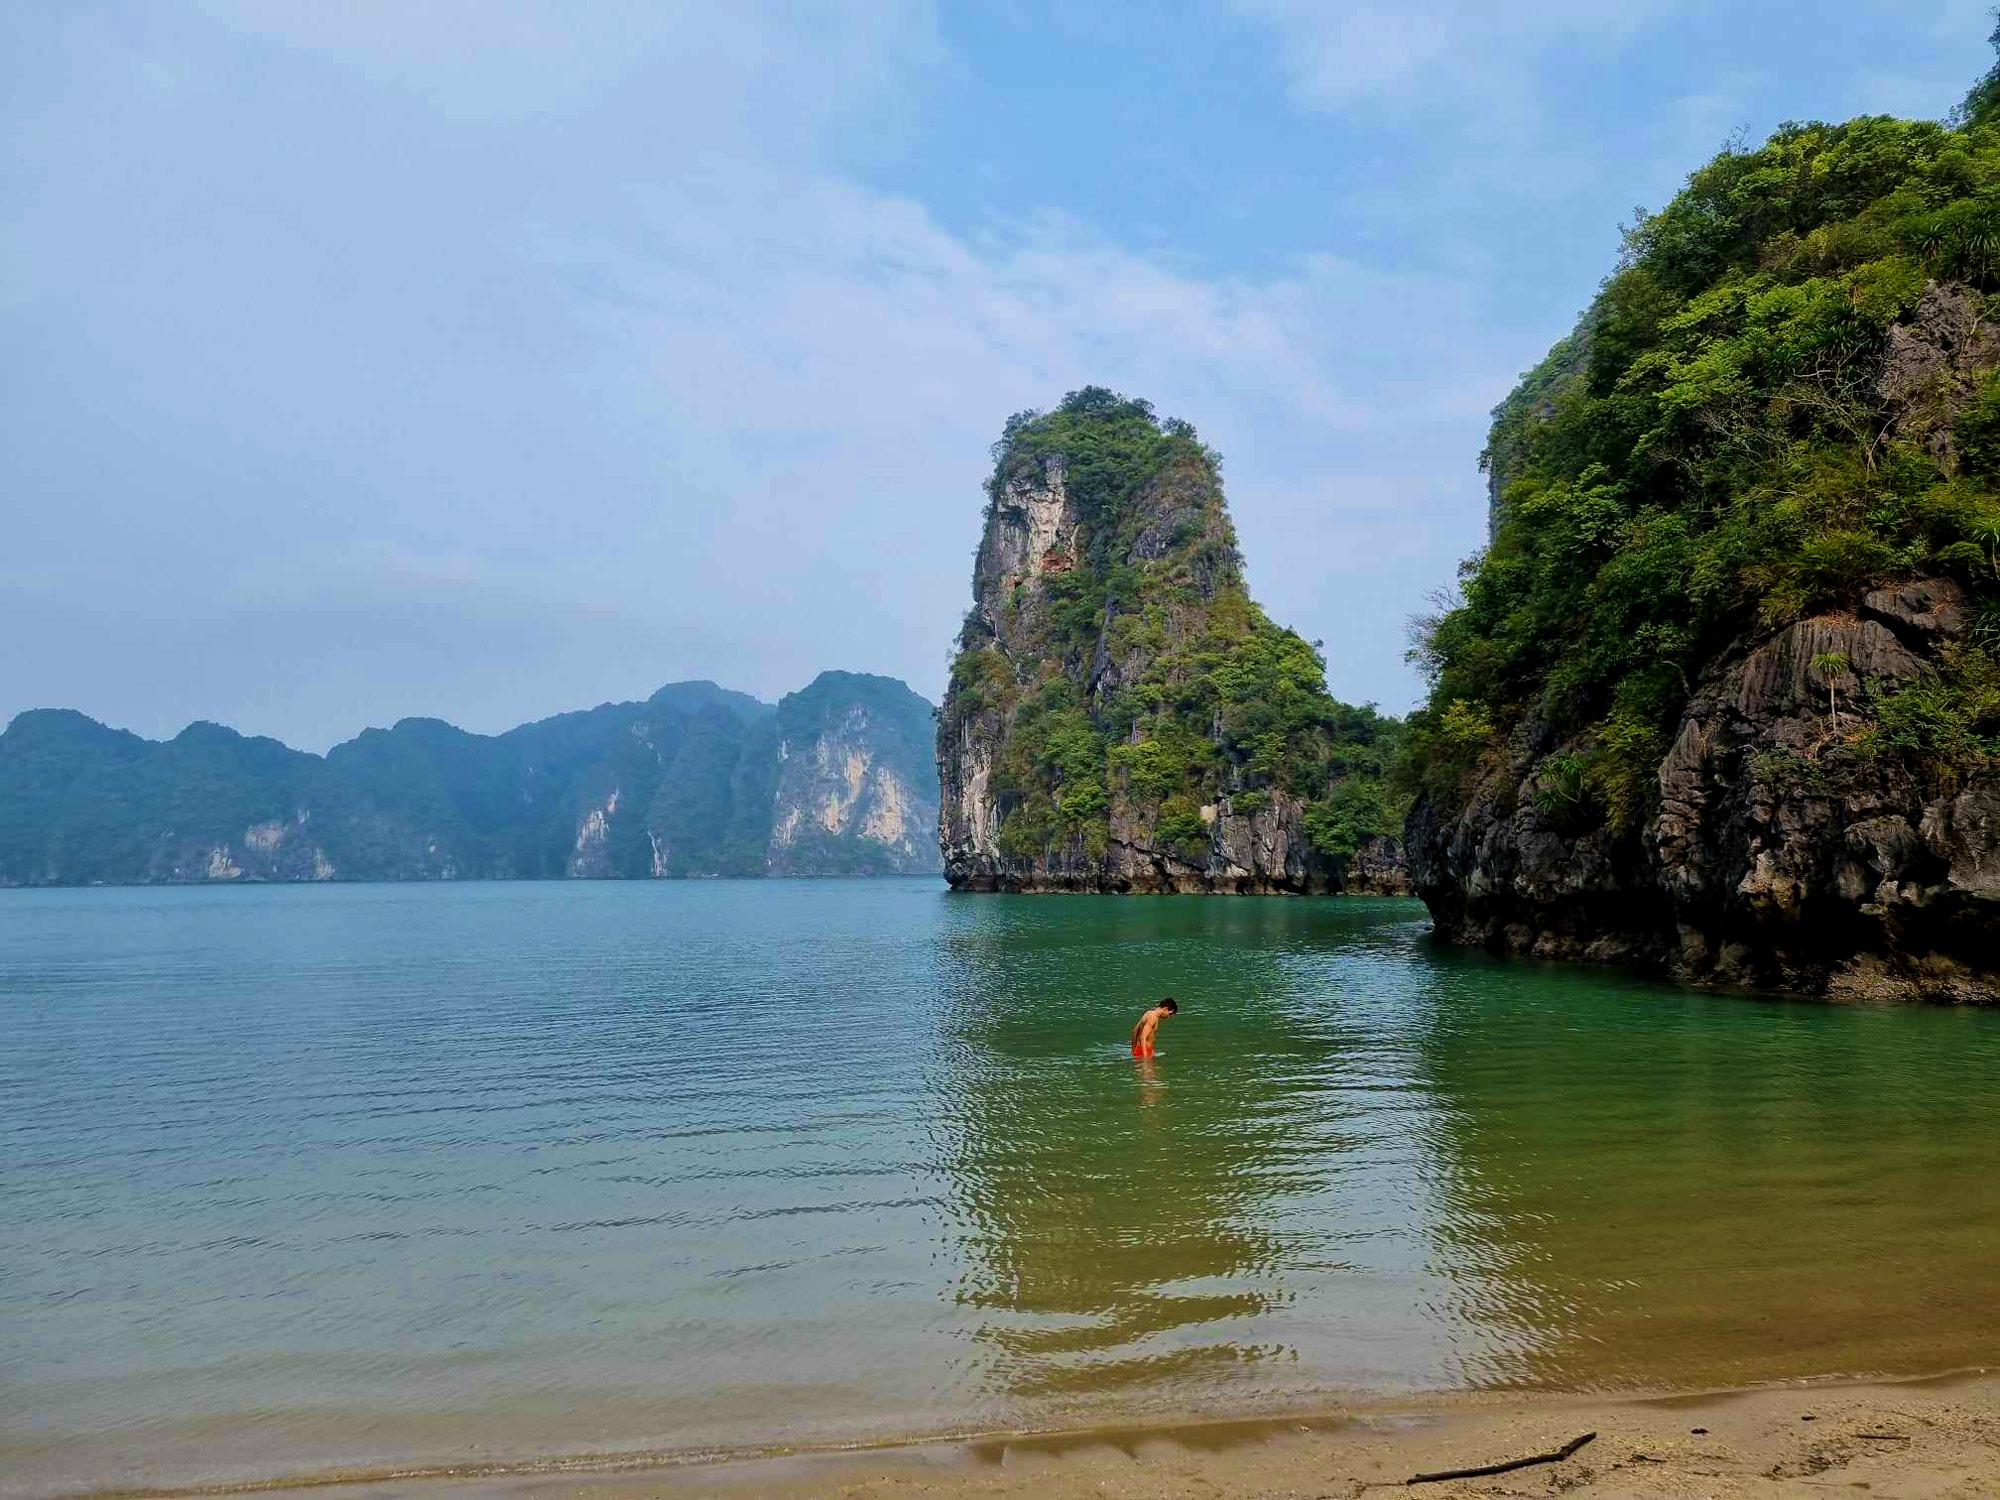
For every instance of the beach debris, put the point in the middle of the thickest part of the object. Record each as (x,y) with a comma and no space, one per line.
(1504,1468)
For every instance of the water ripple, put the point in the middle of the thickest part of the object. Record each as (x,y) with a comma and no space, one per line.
(378,1173)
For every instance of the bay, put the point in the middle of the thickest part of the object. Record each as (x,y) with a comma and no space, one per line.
(313,1179)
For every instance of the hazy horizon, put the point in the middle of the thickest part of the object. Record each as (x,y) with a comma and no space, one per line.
(490,361)
(767,703)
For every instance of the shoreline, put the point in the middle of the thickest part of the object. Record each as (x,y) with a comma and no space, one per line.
(1925,1435)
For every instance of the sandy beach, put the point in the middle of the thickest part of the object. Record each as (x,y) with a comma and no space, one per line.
(1938,1437)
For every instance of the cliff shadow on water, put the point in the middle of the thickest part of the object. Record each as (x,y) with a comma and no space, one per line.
(1121,715)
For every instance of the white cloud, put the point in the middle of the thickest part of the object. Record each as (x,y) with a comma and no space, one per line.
(601,335)
(1461,60)
(835,370)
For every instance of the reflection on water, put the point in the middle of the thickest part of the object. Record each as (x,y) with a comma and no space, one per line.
(1127,1225)
(1673,1188)
(299,1179)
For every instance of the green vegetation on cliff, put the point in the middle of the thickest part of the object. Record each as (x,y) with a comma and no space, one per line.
(1785,395)
(694,781)
(1132,676)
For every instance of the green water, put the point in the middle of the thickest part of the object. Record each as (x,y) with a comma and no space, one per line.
(303,1180)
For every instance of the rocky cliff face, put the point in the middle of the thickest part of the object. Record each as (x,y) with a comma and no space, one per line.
(855,791)
(1083,744)
(1379,868)
(1782,854)
(1783,846)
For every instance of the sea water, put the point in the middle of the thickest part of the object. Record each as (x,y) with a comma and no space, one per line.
(378,1176)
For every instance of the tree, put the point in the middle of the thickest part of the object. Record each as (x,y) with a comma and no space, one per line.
(1832,665)
(1981,105)
(1715,450)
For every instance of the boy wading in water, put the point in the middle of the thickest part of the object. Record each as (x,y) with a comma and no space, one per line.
(1149,1023)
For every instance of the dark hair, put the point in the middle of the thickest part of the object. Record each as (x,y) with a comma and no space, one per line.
(1168,1004)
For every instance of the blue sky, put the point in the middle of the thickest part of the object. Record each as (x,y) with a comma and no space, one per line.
(487,360)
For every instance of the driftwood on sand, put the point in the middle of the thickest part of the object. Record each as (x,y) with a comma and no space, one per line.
(1513,1463)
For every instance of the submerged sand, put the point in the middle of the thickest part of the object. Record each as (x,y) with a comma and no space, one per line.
(1930,1438)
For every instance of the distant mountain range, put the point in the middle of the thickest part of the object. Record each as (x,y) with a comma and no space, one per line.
(836,779)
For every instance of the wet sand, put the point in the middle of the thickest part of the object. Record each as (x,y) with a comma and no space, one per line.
(1929,1438)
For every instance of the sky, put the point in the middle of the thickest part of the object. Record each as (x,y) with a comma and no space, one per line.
(484,360)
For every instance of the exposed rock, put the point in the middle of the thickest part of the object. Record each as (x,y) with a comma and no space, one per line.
(1920,612)
(1785,847)
(1781,854)
(1933,363)
(590,856)
(1166,556)
(854,789)
(1379,869)
(276,849)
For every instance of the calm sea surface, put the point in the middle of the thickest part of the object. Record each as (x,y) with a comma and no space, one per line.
(299,1179)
